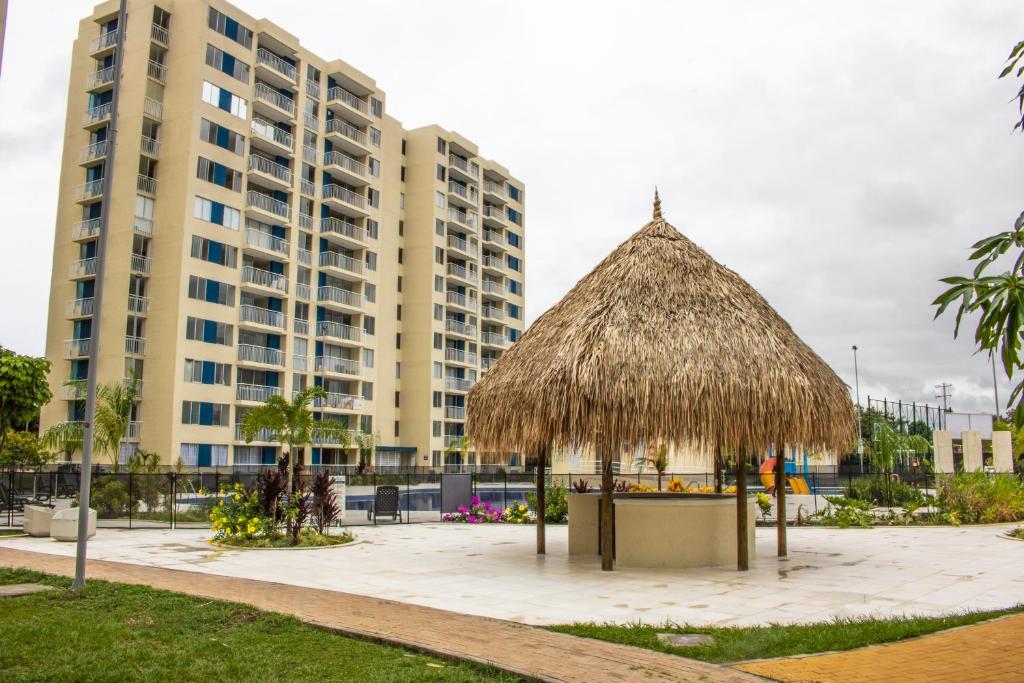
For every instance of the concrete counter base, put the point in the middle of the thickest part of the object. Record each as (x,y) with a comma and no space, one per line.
(681,530)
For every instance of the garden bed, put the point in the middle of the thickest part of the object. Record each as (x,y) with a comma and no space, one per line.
(308,539)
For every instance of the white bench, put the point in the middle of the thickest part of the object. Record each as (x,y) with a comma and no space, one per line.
(64,524)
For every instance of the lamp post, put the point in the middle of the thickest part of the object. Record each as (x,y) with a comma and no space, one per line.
(860,439)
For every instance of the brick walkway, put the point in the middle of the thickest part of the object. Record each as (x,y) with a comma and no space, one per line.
(984,652)
(530,652)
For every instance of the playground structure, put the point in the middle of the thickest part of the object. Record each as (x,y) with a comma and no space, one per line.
(796,482)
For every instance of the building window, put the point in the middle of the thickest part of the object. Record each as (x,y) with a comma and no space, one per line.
(513,311)
(376,107)
(207,372)
(222,99)
(204,455)
(399,283)
(368,358)
(371,260)
(439,226)
(401,200)
(218,174)
(396,427)
(514,192)
(440,172)
(217,213)
(436,428)
(222,61)
(374,137)
(513,262)
(209,331)
(438,312)
(398,311)
(370,292)
(513,334)
(437,399)
(515,216)
(375,167)
(227,26)
(439,200)
(373,197)
(205,414)
(514,286)
(438,283)
(403,147)
(438,341)
(222,137)
(369,324)
(398,399)
(214,292)
(438,370)
(401,174)
(400,254)
(513,239)
(398,371)
(214,252)
(441,146)
(372,228)
(367,391)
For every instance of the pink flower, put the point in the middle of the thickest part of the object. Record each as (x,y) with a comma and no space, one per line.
(475,500)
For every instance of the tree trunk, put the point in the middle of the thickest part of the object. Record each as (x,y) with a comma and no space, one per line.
(541,503)
(291,471)
(780,498)
(607,515)
(718,468)
(742,551)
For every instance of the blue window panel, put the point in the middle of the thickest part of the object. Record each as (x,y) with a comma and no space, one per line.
(227,64)
(324,245)
(281,160)
(316,456)
(321,279)
(513,310)
(79,369)
(331,82)
(513,239)
(217,213)
(210,331)
(319,348)
(272,379)
(231,28)
(82,329)
(209,368)
(205,413)
(89,249)
(85,289)
(317,382)
(325,211)
(277,267)
(277,231)
(220,175)
(205,456)
(212,291)
(273,341)
(273,303)
(216,253)
(225,100)
(286,127)
(222,136)
(321,314)
(95,210)
(281,196)
(268,456)
(94,173)
(514,286)
(108,61)
(101,134)
(327,145)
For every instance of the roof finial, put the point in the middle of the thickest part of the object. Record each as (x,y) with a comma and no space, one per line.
(657,204)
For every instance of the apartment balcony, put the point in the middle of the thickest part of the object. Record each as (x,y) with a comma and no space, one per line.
(494,264)
(305,256)
(142,226)
(346,265)
(348,137)
(80,308)
(459,356)
(146,184)
(101,79)
(94,152)
(461,301)
(266,205)
(160,35)
(495,216)
(458,384)
(77,348)
(255,393)
(73,390)
(83,268)
(346,232)
(462,218)
(462,195)
(312,122)
(266,241)
(339,331)
(309,155)
(462,245)
(344,200)
(256,315)
(105,43)
(262,436)
(279,138)
(302,290)
(493,339)
(308,189)
(150,147)
(140,263)
(487,362)
(134,431)
(273,68)
(264,278)
(301,326)
(455,270)
(336,297)
(278,103)
(492,312)
(496,288)
(127,382)
(138,305)
(312,88)
(335,365)
(97,116)
(494,237)
(300,363)
(86,230)
(461,167)
(353,171)
(157,71)
(278,175)
(454,413)
(339,401)
(135,346)
(349,105)
(495,191)
(263,355)
(458,327)
(305,220)
(87,192)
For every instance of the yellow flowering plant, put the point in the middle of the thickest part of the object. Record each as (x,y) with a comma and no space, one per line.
(518,514)
(239,515)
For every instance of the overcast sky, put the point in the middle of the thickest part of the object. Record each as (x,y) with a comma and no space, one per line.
(841,156)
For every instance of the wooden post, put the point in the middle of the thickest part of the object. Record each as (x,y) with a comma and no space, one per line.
(742,552)
(780,496)
(607,516)
(541,490)
(718,468)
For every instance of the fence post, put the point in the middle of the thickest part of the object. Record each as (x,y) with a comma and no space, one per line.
(174,498)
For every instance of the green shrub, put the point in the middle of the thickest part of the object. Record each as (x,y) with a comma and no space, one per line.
(109,498)
(846,512)
(556,504)
(973,497)
(881,490)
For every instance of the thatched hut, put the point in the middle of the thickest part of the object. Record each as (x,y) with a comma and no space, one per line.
(659,343)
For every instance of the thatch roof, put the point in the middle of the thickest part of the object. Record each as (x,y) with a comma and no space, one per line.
(660,343)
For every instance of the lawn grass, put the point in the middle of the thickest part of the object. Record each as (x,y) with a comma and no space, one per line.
(11,532)
(118,632)
(739,644)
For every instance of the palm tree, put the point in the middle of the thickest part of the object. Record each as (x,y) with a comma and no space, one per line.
(887,445)
(291,424)
(659,462)
(461,447)
(114,403)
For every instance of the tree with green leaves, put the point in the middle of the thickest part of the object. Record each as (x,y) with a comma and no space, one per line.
(366,442)
(114,403)
(997,299)
(460,446)
(23,391)
(23,448)
(887,446)
(292,425)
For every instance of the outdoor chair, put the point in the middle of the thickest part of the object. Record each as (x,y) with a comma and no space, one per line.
(67,484)
(9,501)
(385,504)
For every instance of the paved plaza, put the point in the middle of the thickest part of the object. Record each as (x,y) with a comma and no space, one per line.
(492,570)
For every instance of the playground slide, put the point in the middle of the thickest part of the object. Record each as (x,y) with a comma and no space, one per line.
(767,472)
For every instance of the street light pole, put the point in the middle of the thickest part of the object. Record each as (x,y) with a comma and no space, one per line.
(860,422)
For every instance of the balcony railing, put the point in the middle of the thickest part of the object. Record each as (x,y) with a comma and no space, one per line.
(140,263)
(458,162)
(264,240)
(345,366)
(268,94)
(495,212)
(269,59)
(462,245)
(461,272)
(150,146)
(313,88)
(300,363)
(330,224)
(160,34)
(459,327)
(83,268)
(271,132)
(86,229)
(100,77)
(106,40)
(493,262)
(465,191)
(153,108)
(332,191)
(127,382)
(271,168)
(305,220)
(495,188)
(135,346)
(458,384)
(134,431)
(462,217)
(96,150)
(93,188)
(260,354)
(454,413)
(301,326)
(138,304)
(302,290)
(494,237)
(261,316)
(345,97)
(96,114)
(493,339)
(339,402)
(309,154)
(346,297)
(307,188)
(335,158)
(493,287)
(460,356)
(80,308)
(73,390)
(458,299)
(157,70)
(492,312)
(264,278)
(258,200)
(77,348)
(311,121)
(304,255)
(333,259)
(345,130)
(142,225)
(146,184)
(264,435)
(255,392)
(487,362)
(328,328)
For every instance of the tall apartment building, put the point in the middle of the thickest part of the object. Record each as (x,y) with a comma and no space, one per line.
(271,227)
